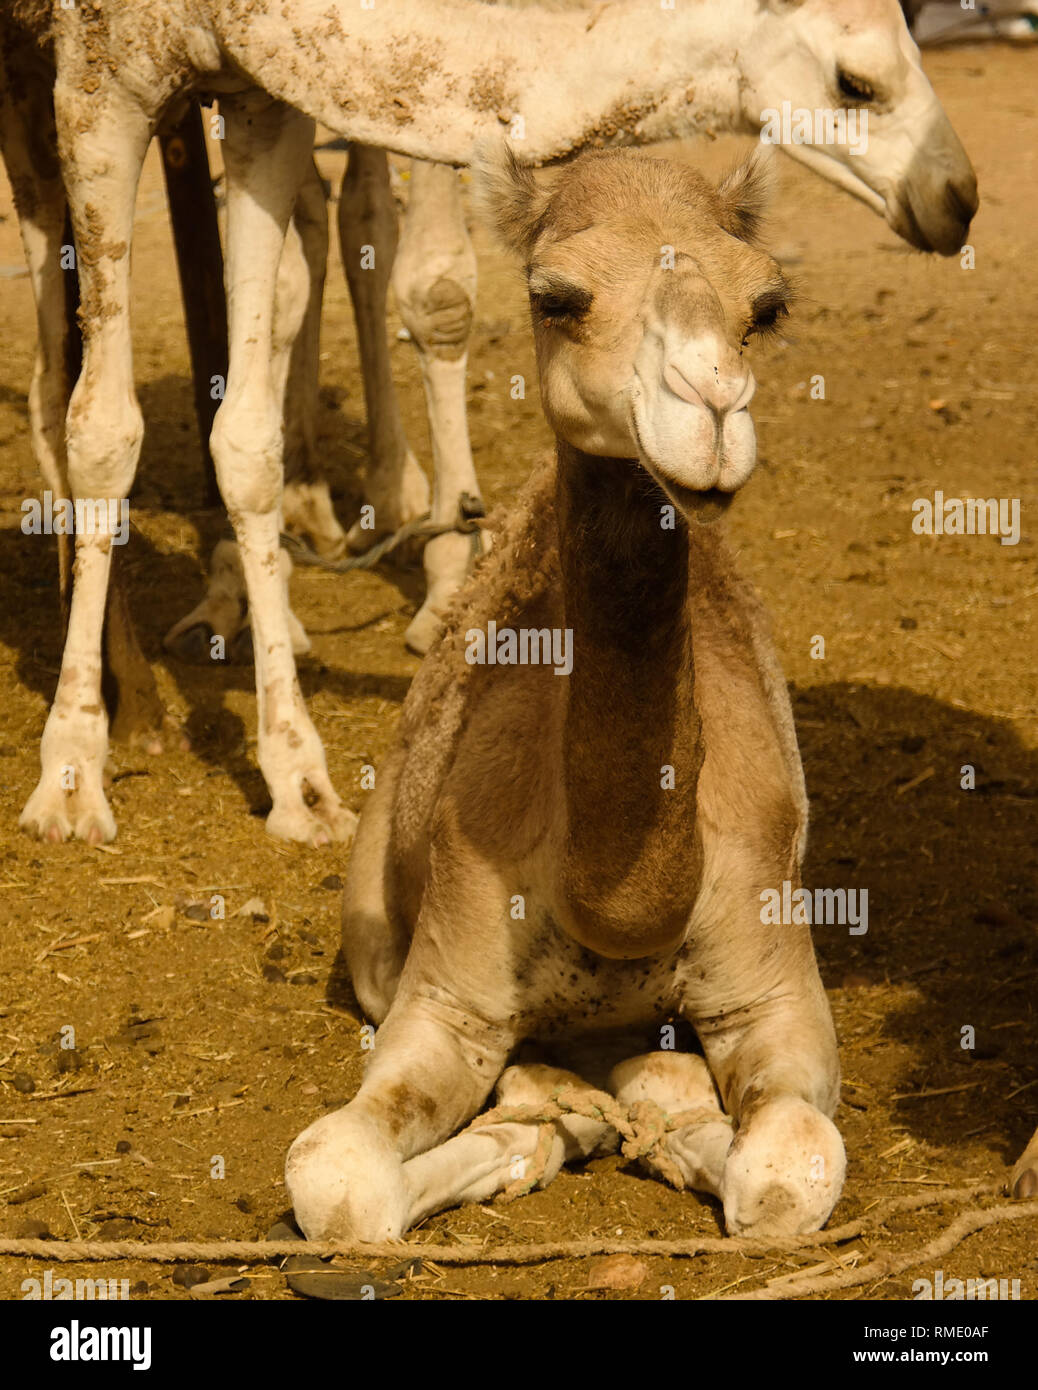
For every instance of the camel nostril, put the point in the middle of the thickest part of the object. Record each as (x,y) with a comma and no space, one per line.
(961,200)
(679,383)
(720,395)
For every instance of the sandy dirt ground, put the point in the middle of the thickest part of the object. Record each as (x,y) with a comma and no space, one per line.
(198,1039)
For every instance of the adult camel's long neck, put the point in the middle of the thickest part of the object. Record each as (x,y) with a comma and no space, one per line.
(429,78)
(631,750)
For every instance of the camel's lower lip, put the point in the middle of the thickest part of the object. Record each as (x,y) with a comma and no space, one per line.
(703,504)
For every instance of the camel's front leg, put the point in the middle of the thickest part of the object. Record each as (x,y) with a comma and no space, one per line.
(394,484)
(266,147)
(762,1016)
(103,438)
(432,1068)
(434,280)
(1024,1182)
(752,992)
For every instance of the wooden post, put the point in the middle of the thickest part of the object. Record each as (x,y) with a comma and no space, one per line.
(196,234)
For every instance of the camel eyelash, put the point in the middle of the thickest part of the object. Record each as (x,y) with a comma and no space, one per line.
(766,319)
(561,305)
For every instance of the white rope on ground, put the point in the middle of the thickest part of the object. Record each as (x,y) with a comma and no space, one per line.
(882,1266)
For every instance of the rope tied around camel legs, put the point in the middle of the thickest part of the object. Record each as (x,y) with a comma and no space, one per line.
(642,1128)
(469,521)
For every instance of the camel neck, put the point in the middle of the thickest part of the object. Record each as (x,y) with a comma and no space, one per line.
(631,749)
(430,78)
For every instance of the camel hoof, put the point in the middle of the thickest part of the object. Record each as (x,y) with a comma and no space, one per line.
(320,825)
(57,816)
(153,737)
(308,512)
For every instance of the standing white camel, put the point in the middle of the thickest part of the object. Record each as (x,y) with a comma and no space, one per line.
(539,859)
(427,84)
(818,55)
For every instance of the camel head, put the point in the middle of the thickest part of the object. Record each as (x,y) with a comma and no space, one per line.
(646,283)
(850,59)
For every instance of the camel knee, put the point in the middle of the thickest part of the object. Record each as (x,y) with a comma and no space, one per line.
(104,440)
(434,277)
(346,1181)
(246,444)
(784,1172)
(673,1080)
(436,312)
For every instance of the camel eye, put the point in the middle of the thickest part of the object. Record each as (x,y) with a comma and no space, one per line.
(562,304)
(855,89)
(765,315)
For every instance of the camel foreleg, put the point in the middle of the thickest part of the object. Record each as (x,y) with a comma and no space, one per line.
(103,438)
(431,1070)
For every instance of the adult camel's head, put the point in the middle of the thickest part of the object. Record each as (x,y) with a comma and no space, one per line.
(646,285)
(857,57)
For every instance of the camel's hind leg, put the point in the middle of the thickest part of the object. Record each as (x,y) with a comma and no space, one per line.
(1024,1182)
(434,280)
(394,483)
(374,939)
(308,510)
(265,147)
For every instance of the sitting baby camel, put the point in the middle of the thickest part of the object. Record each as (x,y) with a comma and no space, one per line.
(575,857)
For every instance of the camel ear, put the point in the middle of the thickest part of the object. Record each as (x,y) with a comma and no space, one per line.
(746,193)
(506,196)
